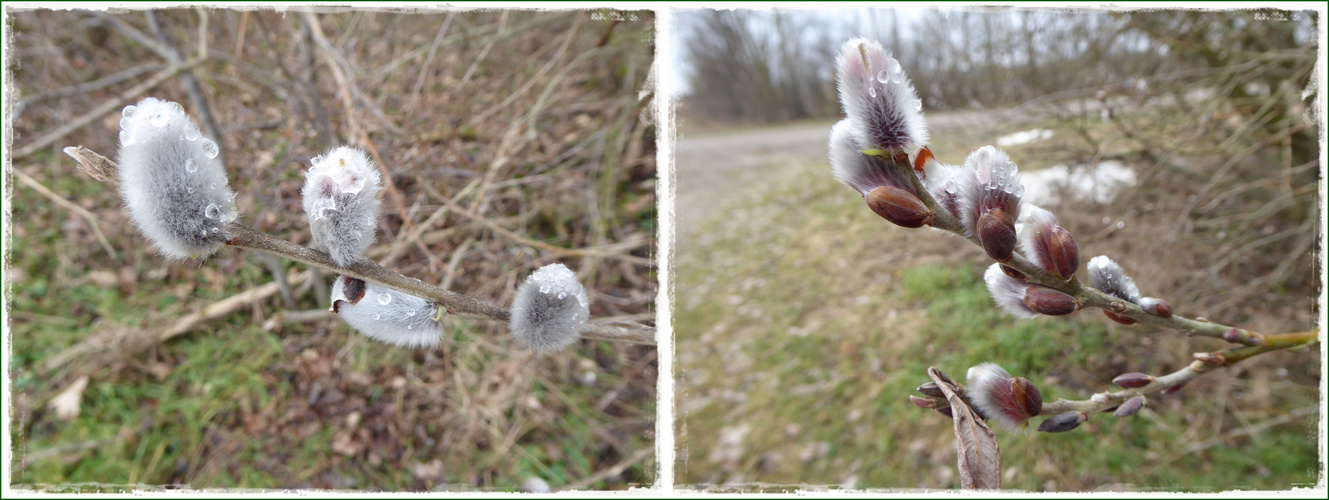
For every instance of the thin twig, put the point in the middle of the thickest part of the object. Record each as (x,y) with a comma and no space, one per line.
(243,236)
(102,109)
(82,212)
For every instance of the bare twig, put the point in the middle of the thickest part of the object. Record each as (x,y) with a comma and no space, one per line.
(60,200)
(102,109)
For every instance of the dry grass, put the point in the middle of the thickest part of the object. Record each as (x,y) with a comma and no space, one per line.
(508,136)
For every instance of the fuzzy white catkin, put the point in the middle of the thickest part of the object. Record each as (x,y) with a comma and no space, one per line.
(861,172)
(170,179)
(1108,277)
(983,380)
(996,184)
(386,315)
(550,309)
(1008,292)
(340,202)
(878,98)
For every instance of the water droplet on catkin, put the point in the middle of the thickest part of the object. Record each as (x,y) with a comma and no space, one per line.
(129,110)
(125,139)
(384,298)
(191,166)
(210,148)
(883,76)
(212,211)
(191,134)
(410,313)
(872,92)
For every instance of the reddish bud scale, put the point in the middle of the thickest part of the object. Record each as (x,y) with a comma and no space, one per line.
(899,207)
(1175,388)
(1013,272)
(1130,407)
(1125,320)
(931,389)
(1133,380)
(1063,422)
(1027,396)
(1212,358)
(1156,307)
(921,159)
(922,403)
(996,232)
(1064,252)
(1044,300)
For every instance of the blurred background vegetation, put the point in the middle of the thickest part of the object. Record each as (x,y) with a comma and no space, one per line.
(804,322)
(513,139)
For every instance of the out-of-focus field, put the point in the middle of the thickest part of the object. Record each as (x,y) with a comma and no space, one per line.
(513,139)
(804,321)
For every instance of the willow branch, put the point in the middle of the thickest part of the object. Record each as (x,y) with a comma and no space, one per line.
(242,236)
(1087,295)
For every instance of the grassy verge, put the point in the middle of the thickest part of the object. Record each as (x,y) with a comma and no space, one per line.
(804,322)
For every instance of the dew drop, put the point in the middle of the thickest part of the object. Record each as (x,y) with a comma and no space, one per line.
(177,107)
(410,313)
(189,190)
(210,148)
(212,211)
(212,186)
(1019,190)
(410,327)
(203,232)
(158,119)
(125,139)
(892,68)
(376,317)
(883,76)
(1121,224)
(129,110)
(562,295)
(316,160)
(544,288)
(872,92)
(125,123)
(192,134)
(918,104)
(384,298)
(216,230)
(191,166)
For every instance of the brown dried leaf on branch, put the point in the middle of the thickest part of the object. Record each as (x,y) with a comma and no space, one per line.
(975,444)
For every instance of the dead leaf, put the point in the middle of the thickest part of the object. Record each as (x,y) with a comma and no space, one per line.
(975,444)
(67,404)
(428,473)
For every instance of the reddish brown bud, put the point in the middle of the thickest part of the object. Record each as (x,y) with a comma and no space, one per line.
(1027,396)
(1125,320)
(1133,380)
(1013,272)
(1156,307)
(354,289)
(899,206)
(1063,422)
(1064,252)
(931,389)
(1044,300)
(923,402)
(1213,358)
(922,159)
(1238,336)
(1175,388)
(1130,407)
(996,231)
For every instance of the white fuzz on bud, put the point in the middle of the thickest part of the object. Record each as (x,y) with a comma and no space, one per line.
(340,202)
(1109,278)
(550,309)
(948,184)
(386,315)
(170,179)
(1048,245)
(861,172)
(995,186)
(1008,292)
(880,101)
(1009,401)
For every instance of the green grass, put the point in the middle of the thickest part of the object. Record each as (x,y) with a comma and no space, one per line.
(804,322)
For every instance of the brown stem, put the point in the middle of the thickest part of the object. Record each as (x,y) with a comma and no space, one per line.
(242,236)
